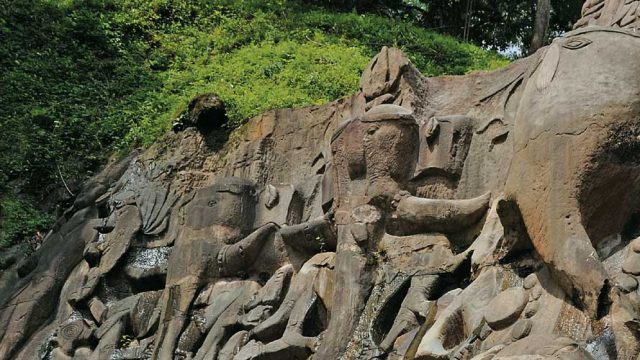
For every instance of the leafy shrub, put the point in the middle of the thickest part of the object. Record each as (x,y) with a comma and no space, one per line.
(20,219)
(82,79)
(432,53)
(256,78)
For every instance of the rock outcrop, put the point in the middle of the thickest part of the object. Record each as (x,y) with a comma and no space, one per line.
(486,216)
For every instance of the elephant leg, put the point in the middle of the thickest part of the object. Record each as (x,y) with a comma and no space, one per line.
(574,261)
(404,321)
(293,343)
(551,214)
(223,327)
(176,303)
(458,323)
(352,286)
(213,341)
(299,313)
(273,327)
(414,306)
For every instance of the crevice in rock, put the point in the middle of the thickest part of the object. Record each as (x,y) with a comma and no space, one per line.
(389,311)
(317,319)
(604,300)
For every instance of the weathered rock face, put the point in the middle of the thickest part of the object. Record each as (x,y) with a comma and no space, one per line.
(488,216)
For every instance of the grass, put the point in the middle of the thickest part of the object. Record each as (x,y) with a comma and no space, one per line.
(82,80)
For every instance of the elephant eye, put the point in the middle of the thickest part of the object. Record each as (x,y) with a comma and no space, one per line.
(575,43)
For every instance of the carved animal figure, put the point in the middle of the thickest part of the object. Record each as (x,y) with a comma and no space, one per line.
(551,142)
(575,173)
(214,244)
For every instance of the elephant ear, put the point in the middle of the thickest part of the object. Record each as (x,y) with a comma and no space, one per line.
(548,68)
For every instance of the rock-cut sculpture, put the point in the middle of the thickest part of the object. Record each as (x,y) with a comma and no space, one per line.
(487,216)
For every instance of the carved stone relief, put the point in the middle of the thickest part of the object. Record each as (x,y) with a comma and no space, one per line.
(485,216)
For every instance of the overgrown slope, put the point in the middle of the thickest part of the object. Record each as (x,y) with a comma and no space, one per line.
(82,80)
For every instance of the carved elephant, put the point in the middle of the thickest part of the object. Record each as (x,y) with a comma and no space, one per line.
(575,172)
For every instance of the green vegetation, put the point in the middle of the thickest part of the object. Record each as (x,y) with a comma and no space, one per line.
(81,80)
(20,220)
(496,24)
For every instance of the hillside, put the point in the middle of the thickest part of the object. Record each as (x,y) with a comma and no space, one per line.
(486,216)
(85,81)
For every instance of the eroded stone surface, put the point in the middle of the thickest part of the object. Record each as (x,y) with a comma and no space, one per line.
(462,217)
(505,308)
